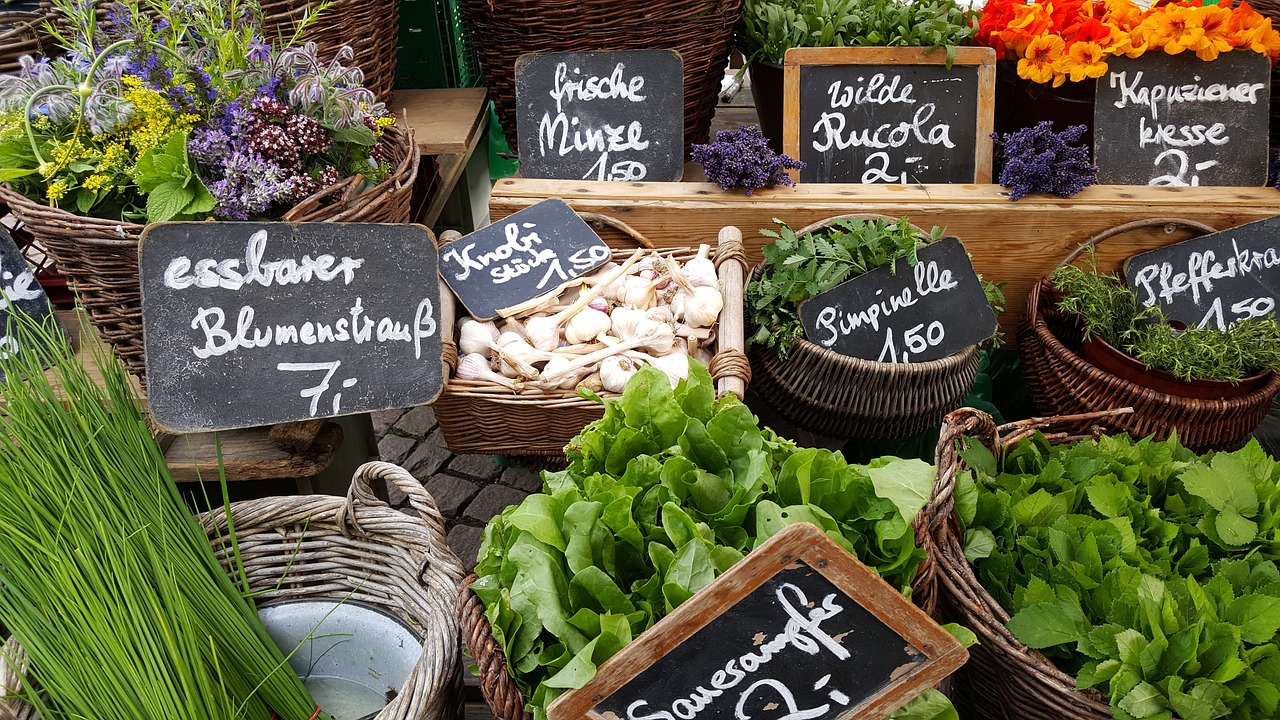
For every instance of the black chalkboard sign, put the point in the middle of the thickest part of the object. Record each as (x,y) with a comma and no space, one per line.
(20,292)
(601,115)
(904,313)
(1214,280)
(520,257)
(799,626)
(1177,120)
(889,115)
(250,324)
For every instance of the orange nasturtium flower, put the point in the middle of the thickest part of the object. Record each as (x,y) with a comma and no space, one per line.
(1248,29)
(1028,23)
(1216,22)
(1174,28)
(1043,58)
(1084,60)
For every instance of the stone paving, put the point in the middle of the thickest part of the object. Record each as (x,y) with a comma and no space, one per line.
(468,489)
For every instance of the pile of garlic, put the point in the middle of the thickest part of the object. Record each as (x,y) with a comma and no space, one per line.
(598,330)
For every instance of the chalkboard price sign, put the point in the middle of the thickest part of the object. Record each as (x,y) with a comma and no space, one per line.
(520,257)
(1214,280)
(615,116)
(889,115)
(904,313)
(22,293)
(250,324)
(798,629)
(1177,120)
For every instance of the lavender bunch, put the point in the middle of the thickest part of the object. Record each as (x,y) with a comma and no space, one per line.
(1036,159)
(742,158)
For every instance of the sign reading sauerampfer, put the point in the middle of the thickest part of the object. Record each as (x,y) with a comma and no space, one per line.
(250,324)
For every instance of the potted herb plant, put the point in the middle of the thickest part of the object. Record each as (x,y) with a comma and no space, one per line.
(825,392)
(185,111)
(771,27)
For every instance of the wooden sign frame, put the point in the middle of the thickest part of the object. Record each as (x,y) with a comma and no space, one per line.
(800,542)
(982,57)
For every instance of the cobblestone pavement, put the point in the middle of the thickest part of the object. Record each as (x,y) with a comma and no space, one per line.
(469,489)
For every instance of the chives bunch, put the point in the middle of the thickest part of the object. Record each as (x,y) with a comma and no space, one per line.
(106,579)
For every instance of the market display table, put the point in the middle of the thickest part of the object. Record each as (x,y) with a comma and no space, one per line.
(1016,243)
(319,455)
(448,125)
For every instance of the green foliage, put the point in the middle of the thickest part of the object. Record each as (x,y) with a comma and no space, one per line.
(663,494)
(770,27)
(1110,310)
(168,176)
(1139,568)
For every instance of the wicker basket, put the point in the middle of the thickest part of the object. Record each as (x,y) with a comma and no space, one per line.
(1063,383)
(700,30)
(1004,679)
(21,33)
(839,396)
(100,257)
(370,28)
(480,417)
(355,548)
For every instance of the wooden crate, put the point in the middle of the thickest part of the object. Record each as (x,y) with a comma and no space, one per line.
(1017,243)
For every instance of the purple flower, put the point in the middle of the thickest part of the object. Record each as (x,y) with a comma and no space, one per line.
(249,186)
(1036,159)
(742,158)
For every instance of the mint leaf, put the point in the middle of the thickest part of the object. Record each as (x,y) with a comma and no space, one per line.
(358,135)
(167,200)
(167,163)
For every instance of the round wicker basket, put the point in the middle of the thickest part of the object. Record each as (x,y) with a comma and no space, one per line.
(1063,383)
(700,30)
(360,549)
(100,257)
(839,396)
(1003,678)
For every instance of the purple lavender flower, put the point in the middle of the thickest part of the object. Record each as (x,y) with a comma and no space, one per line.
(249,186)
(1036,159)
(742,158)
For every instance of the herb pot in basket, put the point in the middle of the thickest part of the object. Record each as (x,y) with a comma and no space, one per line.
(825,392)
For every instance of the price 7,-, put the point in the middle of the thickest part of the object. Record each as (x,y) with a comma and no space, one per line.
(915,340)
(315,392)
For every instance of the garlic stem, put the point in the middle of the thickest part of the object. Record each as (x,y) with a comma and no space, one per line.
(641,339)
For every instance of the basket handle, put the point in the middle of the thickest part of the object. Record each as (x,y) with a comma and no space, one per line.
(360,495)
(730,367)
(1170,226)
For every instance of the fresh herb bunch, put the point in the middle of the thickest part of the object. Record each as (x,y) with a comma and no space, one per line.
(1137,567)
(183,110)
(742,158)
(1110,310)
(664,493)
(1037,159)
(798,268)
(771,27)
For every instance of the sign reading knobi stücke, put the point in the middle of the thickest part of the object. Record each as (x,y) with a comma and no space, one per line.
(799,629)
(249,324)
(1177,120)
(615,116)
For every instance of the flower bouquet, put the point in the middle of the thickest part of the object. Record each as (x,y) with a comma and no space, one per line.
(183,111)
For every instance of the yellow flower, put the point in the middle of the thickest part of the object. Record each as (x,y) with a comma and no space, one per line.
(1216,21)
(56,191)
(97,182)
(1043,55)
(1084,60)
(1174,28)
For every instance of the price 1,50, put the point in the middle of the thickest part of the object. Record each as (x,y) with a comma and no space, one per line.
(914,341)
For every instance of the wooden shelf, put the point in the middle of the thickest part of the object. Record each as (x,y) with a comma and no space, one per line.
(1017,243)
(447,124)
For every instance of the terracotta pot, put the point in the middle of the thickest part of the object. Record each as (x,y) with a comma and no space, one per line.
(1109,358)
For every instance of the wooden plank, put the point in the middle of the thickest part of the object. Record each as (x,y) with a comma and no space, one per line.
(1017,243)
(444,121)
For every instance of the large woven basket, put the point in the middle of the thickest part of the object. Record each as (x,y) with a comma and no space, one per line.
(700,30)
(481,417)
(371,29)
(21,33)
(1004,679)
(1063,383)
(839,396)
(100,257)
(358,549)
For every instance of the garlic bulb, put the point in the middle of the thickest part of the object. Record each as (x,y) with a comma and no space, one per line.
(474,366)
(639,293)
(700,271)
(599,303)
(658,337)
(624,321)
(586,325)
(615,371)
(675,366)
(511,325)
(702,309)
(661,313)
(476,337)
(544,332)
(592,382)
(555,365)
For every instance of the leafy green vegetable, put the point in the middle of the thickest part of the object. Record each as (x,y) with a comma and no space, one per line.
(168,176)
(663,494)
(1140,568)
